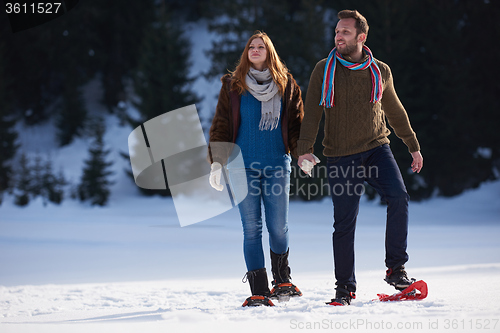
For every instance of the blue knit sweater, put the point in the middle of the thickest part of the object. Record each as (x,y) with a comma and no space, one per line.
(260,149)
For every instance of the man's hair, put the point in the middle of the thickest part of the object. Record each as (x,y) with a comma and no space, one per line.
(361,23)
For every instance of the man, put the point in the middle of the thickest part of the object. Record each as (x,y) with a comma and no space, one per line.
(356,93)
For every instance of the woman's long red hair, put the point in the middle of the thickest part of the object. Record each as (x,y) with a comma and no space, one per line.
(277,68)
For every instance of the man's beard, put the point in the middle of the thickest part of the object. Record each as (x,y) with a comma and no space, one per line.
(348,49)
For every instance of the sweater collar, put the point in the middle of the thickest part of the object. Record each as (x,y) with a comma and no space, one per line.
(363,59)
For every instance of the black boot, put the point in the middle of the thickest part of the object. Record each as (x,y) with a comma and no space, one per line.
(398,278)
(343,297)
(282,285)
(259,287)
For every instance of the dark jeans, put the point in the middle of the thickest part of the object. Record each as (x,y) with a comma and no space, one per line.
(346,176)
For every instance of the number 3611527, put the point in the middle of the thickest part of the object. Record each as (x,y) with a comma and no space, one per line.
(27,8)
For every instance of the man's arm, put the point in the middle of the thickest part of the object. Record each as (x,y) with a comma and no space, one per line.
(312,112)
(397,116)
(400,123)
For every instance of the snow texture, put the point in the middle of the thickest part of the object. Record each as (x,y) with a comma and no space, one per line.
(130,267)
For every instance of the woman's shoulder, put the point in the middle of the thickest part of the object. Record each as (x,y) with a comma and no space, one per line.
(226,78)
(291,79)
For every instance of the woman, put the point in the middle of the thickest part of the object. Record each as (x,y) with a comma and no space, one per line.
(260,110)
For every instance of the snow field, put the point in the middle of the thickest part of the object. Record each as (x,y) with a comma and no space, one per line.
(216,304)
(130,267)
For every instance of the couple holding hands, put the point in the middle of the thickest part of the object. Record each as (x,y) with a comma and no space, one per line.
(260,109)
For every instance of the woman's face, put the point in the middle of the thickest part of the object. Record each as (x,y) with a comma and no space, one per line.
(257,54)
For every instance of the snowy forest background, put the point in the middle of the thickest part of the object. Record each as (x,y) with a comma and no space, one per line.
(133,60)
(72,90)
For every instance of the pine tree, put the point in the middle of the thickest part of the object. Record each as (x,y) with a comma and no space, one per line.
(24,182)
(94,184)
(52,185)
(301,31)
(162,82)
(45,56)
(476,123)
(56,192)
(71,116)
(8,135)
(97,40)
(37,171)
(8,149)
(117,31)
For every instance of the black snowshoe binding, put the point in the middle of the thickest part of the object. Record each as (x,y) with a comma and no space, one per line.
(284,291)
(398,278)
(283,288)
(343,297)
(258,301)
(259,287)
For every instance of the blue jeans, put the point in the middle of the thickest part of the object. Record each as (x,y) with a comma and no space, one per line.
(346,176)
(270,186)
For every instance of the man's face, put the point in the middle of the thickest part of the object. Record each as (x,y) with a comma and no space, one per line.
(346,38)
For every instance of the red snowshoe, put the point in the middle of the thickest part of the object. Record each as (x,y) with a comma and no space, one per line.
(416,291)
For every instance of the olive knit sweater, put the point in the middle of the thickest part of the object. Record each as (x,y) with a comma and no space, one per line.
(353,125)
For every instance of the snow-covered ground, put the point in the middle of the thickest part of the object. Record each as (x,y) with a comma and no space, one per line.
(130,267)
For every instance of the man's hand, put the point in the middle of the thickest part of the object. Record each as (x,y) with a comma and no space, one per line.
(307,162)
(418,162)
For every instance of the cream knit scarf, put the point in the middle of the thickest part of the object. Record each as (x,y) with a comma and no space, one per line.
(262,86)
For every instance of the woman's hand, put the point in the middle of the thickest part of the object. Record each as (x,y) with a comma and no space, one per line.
(215,176)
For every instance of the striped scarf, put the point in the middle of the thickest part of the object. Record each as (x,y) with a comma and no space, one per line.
(329,76)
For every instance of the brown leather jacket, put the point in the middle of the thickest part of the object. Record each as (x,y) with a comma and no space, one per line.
(226,121)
